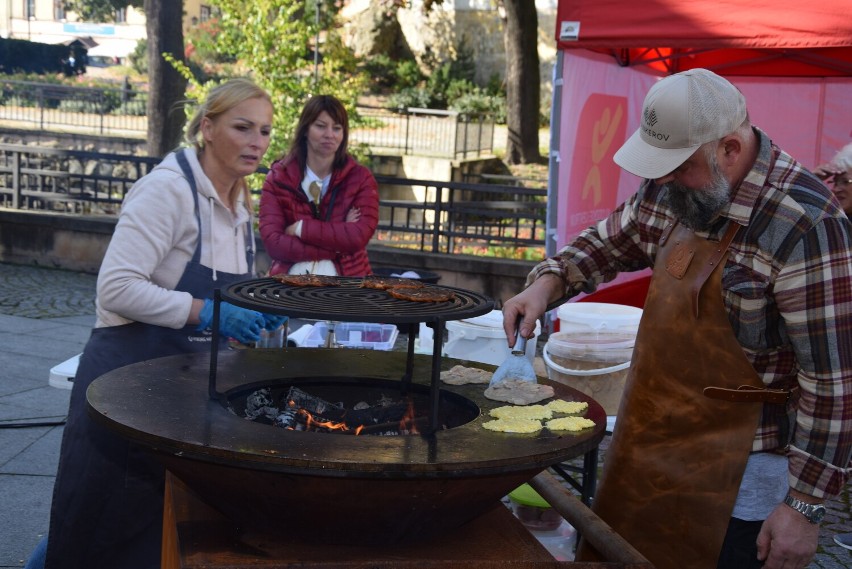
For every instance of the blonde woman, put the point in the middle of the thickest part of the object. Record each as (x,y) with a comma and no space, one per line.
(185,229)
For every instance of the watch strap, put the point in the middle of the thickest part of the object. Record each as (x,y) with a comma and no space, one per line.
(813,512)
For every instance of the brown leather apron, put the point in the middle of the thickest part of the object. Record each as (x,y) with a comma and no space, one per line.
(677,456)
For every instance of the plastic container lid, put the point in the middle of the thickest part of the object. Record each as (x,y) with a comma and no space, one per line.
(486,326)
(525,495)
(600,315)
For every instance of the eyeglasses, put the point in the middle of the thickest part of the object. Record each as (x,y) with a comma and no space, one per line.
(841,180)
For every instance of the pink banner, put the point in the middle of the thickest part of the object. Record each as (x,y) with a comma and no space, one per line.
(601,105)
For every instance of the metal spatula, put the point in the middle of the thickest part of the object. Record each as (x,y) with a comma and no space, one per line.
(516,366)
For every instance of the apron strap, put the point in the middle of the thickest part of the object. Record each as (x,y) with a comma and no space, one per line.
(712,262)
(187,172)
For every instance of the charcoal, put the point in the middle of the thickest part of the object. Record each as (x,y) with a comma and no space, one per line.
(302,400)
(259,406)
(375,414)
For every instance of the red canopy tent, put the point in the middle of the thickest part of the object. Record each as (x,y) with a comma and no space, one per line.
(793,62)
(731,37)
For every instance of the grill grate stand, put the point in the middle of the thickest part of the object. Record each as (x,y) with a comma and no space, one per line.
(351,303)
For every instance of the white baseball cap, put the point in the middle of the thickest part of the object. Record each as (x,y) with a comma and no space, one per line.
(681,112)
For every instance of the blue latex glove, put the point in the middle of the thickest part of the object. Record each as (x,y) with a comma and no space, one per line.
(272,321)
(239,323)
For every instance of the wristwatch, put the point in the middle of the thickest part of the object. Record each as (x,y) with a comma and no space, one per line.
(813,512)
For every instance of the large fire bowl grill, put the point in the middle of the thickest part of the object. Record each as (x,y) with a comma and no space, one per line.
(324,487)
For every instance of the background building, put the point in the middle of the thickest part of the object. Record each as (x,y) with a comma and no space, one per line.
(47,21)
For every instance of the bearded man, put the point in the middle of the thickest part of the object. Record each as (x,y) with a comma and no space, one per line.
(736,421)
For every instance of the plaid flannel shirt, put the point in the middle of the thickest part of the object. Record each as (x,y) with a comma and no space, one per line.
(787,286)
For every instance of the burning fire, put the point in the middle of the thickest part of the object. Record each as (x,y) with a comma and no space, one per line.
(301,411)
(312,423)
(407,424)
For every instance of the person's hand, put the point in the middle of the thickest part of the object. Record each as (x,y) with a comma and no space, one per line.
(531,303)
(787,540)
(826,171)
(354,214)
(291,229)
(273,321)
(241,324)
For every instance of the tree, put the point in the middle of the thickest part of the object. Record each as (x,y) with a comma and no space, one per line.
(523,87)
(166,86)
(273,41)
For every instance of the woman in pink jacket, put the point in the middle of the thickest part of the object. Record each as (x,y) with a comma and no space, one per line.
(319,207)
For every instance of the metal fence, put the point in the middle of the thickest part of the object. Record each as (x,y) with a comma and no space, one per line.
(67,181)
(430,216)
(457,217)
(421,132)
(85,109)
(425,132)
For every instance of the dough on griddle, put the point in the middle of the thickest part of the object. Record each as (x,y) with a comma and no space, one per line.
(568,407)
(460,375)
(522,412)
(569,424)
(519,392)
(513,425)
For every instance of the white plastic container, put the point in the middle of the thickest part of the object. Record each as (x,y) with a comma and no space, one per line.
(560,543)
(363,335)
(593,363)
(598,317)
(483,340)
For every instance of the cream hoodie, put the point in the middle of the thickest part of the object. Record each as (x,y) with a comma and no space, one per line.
(156,236)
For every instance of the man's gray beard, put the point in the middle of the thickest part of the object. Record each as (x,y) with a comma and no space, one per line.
(698,208)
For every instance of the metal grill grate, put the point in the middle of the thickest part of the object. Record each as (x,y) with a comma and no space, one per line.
(350,302)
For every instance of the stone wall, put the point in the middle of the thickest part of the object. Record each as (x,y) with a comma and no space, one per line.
(78,243)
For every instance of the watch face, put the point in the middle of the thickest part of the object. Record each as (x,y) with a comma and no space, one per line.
(818,514)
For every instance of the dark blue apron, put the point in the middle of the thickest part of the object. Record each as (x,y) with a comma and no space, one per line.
(107,509)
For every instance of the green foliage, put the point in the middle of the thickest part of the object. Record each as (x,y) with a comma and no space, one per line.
(451,86)
(407,74)
(381,70)
(385,73)
(272,41)
(134,107)
(139,57)
(478,102)
(410,97)
(99,96)
(201,43)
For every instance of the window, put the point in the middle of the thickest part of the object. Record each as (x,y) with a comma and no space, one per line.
(58,10)
(205,13)
(120,15)
(29,9)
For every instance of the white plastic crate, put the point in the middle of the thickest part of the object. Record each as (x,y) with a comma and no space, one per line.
(363,335)
(62,375)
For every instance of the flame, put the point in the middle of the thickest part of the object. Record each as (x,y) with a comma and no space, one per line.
(310,423)
(407,424)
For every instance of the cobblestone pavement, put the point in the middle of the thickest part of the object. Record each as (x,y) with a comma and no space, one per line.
(36,292)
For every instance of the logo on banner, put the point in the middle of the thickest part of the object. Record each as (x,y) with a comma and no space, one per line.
(593,183)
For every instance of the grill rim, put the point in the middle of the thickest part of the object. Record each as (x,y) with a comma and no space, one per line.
(206,424)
